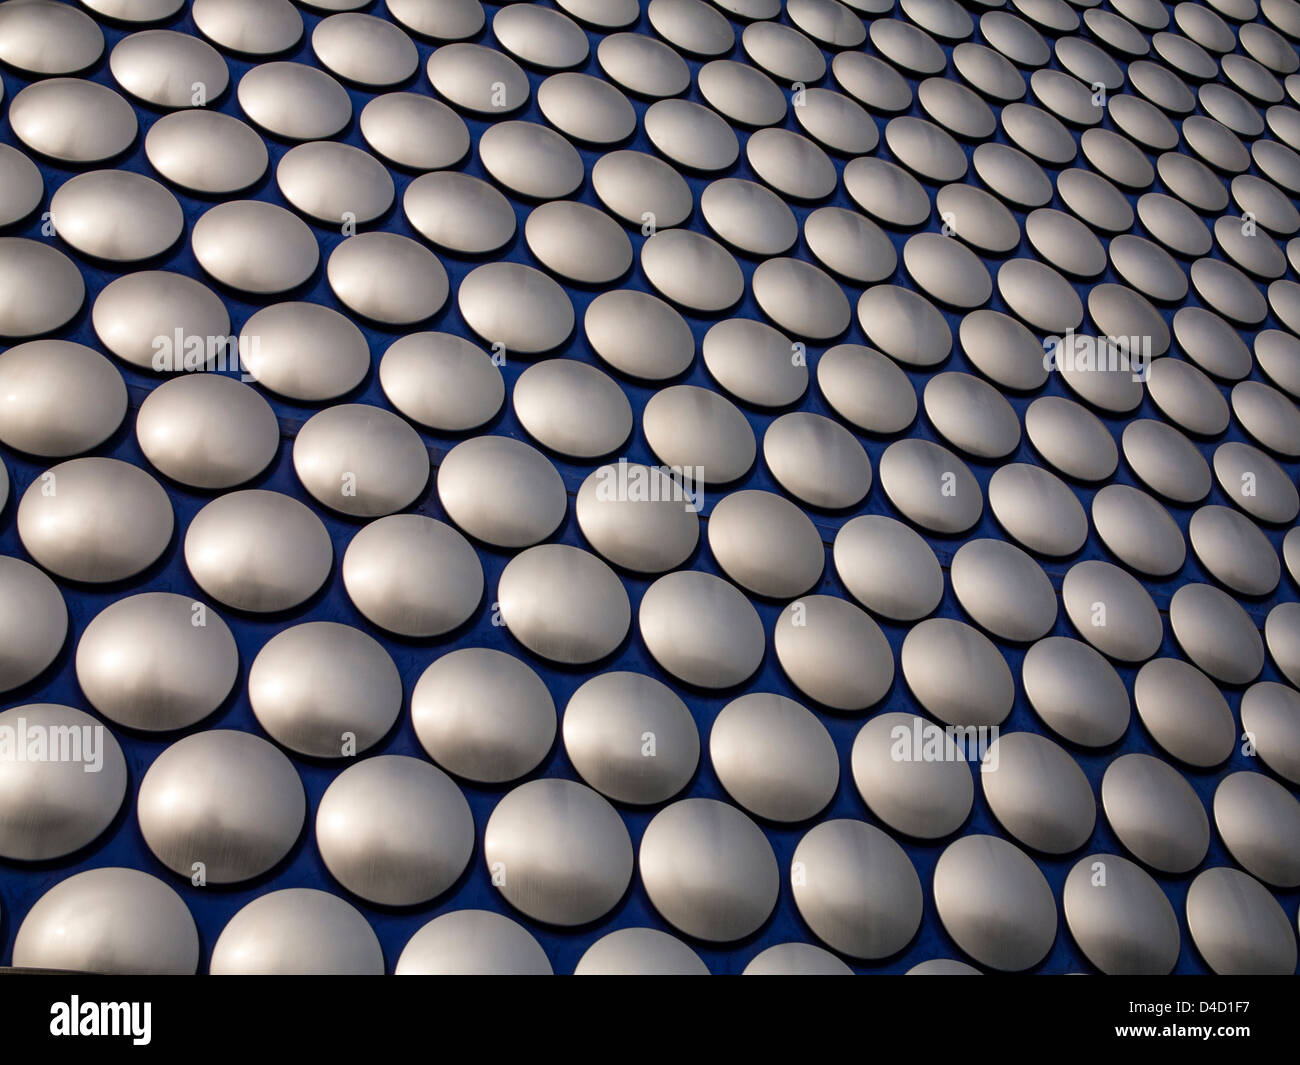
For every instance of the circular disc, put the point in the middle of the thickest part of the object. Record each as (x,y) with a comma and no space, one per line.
(640,952)
(501,491)
(412,575)
(1038,792)
(564,604)
(887,567)
(1259,822)
(1238,927)
(995,903)
(125,678)
(40,288)
(109,921)
(297,932)
(222,804)
(483,715)
(58,398)
(95,519)
(774,757)
(637,517)
(472,943)
(33,622)
(980,693)
(394,830)
(708,870)
(258,551)
(558,852)
(324,689)
(1155,813)
(61,795)
(361,460)
(856,888)
(1075,691)
(1120,917)
(927,792)
(631,738)
(1004,590)
(1184,711)
(701,629)
(766,544)
(442,381)
(254,247)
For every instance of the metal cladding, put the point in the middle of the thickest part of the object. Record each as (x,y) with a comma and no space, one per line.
(650,486)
